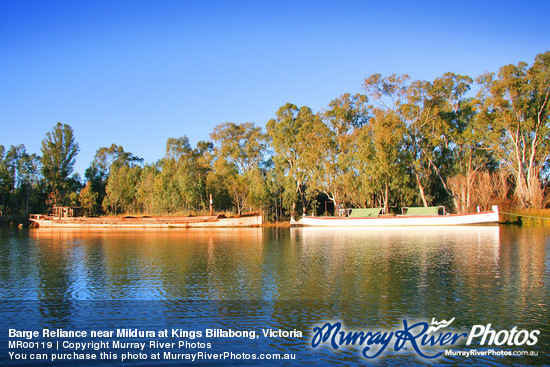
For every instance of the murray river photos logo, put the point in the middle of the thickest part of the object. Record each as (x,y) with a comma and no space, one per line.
(426,340)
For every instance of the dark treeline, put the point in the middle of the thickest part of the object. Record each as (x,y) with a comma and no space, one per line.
(398,143)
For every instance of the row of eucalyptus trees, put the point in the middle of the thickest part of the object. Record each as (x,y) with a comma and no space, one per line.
(453,141)
(231,169)
(32,183)
(404,142)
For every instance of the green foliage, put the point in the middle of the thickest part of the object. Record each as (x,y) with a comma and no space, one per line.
(98,173)
(20,181)
(516,109)
(402,142)
(295,143)
(180,182)
(239,152)
(121,189)
(59,150)
(88,200)
(145,190)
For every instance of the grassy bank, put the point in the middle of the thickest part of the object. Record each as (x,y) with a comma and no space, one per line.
(526,216)
(277,224)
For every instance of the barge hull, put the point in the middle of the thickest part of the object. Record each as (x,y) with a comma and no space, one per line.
(160,222)
(489,217)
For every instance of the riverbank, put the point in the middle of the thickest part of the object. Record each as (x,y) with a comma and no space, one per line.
(277,224)
(526,217)
(14,221)
(510,216)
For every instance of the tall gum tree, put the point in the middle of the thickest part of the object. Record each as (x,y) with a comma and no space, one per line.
(59,150)
(239,151)
(454,136)
(289,136)
(420,113)
(121,189)
(98,173)
(467,157)
(333,166)
(23,168)
(380,145)
(180,183)
(171,182)
(319,157)
(407,102)
(516,105)
(431,112)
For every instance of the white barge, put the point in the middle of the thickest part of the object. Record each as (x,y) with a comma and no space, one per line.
(431,216)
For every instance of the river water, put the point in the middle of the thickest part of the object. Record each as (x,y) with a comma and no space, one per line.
(250,280)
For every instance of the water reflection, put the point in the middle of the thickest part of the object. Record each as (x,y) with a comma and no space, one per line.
(390,266)
(400,271)
(389,272)
(196,264)
(367,278)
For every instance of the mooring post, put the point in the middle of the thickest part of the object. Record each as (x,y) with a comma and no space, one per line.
(211,207)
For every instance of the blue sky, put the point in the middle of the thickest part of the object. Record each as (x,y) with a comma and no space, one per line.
(135,72)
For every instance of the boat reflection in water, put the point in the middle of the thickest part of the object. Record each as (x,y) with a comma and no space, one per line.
(403,271)
(297,278)
(148,264)
(465,243)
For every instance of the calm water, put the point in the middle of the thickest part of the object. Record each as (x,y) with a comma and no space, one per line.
(250,279)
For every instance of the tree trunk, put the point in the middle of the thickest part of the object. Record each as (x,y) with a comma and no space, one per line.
(447,190)
(421,189)
(520,191)
(27,202)
(386,197)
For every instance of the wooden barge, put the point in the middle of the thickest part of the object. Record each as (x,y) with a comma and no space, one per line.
(253,219)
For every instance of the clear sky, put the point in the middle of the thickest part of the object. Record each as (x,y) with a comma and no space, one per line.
(137,72)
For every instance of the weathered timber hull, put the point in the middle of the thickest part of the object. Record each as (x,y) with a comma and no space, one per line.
(489,217)
(153,222)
